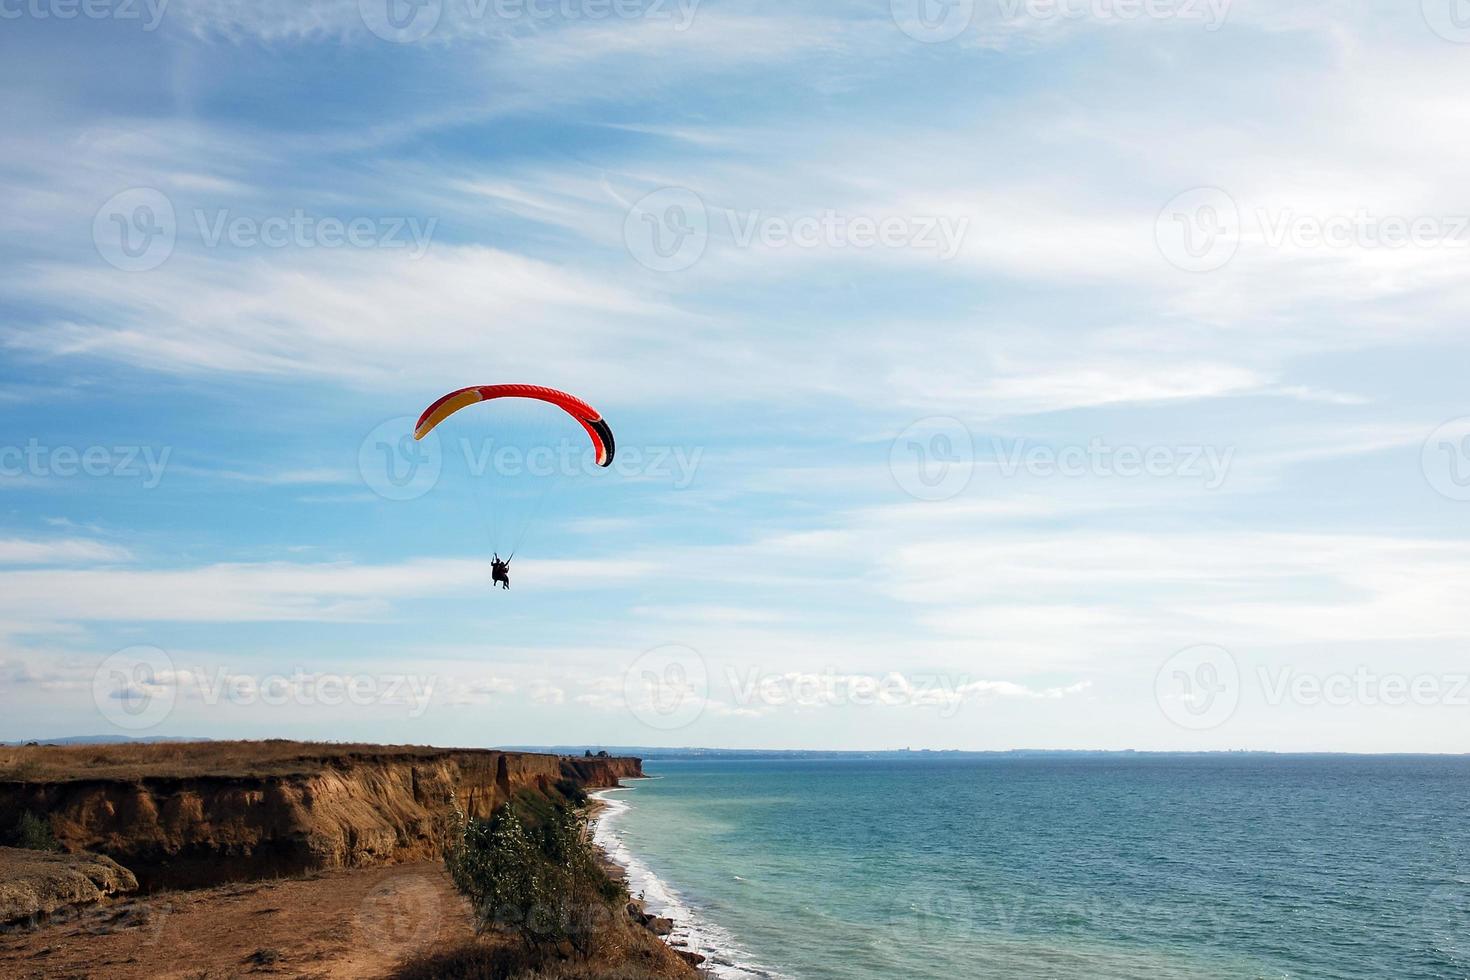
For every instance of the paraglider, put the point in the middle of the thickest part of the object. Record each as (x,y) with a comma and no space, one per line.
(512,490)
(589,417)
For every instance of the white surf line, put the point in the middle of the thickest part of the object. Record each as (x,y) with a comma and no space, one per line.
(724,958)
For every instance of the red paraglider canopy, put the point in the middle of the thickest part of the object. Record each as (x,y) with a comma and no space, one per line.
(589,418)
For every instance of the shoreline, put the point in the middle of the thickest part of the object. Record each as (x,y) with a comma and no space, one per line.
(690,931)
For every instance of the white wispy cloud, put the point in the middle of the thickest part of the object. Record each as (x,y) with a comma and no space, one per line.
(61,551)
(274,591)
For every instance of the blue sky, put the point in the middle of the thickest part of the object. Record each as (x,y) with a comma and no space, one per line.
(1011,376)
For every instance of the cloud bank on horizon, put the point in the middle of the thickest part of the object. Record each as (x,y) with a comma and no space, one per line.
(987,374)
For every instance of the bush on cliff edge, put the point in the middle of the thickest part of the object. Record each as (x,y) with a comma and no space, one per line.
(542,882)
(31,832)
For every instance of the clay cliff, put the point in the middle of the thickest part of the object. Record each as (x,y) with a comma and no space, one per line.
(601,772)
(201,813)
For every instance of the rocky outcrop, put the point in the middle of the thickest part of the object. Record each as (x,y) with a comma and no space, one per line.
(316,809)
(34,884)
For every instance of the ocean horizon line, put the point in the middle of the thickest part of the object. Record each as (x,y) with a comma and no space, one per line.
(712,751)
(705,752)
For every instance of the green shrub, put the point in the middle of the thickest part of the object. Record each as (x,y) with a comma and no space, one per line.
(34,833)
(542,882)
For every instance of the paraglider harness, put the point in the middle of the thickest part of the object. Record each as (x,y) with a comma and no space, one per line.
(500,571)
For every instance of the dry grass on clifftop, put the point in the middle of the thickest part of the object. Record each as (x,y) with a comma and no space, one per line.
(137,760)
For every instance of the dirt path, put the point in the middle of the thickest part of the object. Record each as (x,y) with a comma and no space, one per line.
(336,925)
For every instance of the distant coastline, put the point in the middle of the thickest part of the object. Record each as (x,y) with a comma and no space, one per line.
(657,754)
(665,753)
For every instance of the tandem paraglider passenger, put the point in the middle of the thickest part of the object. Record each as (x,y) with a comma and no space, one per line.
(510,499)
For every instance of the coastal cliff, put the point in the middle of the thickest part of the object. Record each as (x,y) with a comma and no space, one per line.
(189,814)
(601,772)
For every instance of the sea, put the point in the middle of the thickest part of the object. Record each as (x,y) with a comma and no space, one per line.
(1022,867)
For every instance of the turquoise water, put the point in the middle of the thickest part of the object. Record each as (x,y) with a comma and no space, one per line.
(1218,867)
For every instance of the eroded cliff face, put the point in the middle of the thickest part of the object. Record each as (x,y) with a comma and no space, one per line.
(601,772)
(351,810)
